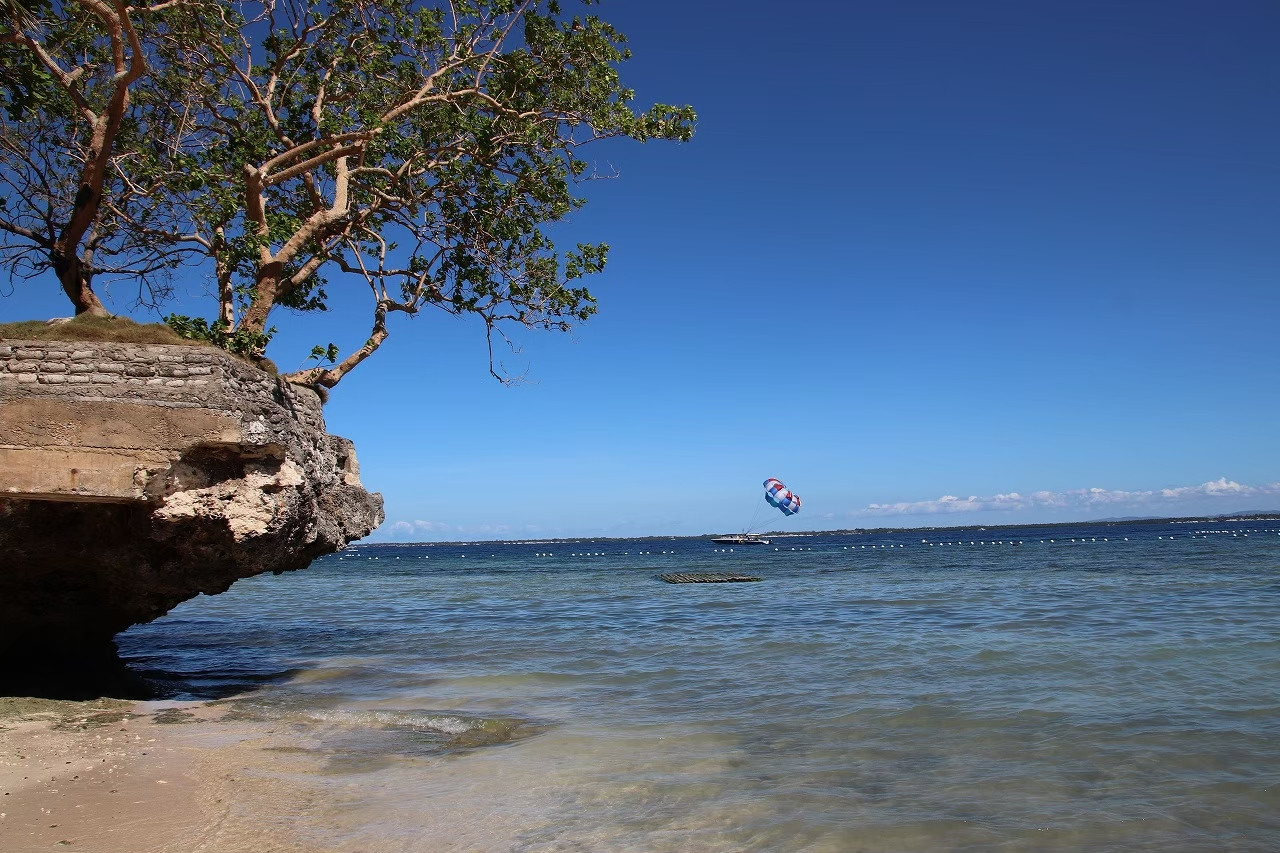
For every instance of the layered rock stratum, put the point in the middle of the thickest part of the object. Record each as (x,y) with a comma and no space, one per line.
(134,477)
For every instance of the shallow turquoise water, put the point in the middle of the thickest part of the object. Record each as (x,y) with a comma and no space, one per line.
(1116,688)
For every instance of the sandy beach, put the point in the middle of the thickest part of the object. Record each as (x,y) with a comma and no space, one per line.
(109,776)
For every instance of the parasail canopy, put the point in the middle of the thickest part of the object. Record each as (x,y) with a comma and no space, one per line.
(781,497)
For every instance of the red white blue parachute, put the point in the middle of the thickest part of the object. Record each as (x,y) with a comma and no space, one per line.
(781,497)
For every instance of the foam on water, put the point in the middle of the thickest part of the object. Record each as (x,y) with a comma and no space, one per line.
(423,721)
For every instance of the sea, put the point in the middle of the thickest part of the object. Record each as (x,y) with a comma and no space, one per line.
(1096,687)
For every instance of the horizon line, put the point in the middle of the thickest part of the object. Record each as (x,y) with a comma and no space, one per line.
(1253,515)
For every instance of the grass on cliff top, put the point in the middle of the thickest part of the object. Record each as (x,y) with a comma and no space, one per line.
(120,330)
(86,328)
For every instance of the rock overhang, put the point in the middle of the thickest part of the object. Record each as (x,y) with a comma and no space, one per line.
(134,477)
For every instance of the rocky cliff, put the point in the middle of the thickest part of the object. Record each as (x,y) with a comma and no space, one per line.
(134,477)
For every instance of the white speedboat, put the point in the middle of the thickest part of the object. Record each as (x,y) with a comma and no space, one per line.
(740,539)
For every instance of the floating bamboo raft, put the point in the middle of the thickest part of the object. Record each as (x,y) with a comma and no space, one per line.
(707,577)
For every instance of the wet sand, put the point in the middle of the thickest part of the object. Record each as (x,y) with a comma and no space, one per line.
(114,776)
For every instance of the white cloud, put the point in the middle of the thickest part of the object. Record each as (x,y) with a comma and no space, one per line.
(405,528)
(1073,499)
(437,530)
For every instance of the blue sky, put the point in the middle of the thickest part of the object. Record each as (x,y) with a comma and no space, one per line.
(925,262)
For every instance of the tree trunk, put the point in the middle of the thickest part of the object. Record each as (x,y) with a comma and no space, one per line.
(75,283)
(128,64)
(226,291)
(254,318)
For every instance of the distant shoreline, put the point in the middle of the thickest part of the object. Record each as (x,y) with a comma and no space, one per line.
(1269,515)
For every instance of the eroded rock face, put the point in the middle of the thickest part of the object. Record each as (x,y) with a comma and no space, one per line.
(134,477)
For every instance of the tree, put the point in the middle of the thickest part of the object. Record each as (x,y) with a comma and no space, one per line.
(419,148)
(15,11)
(66,103)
